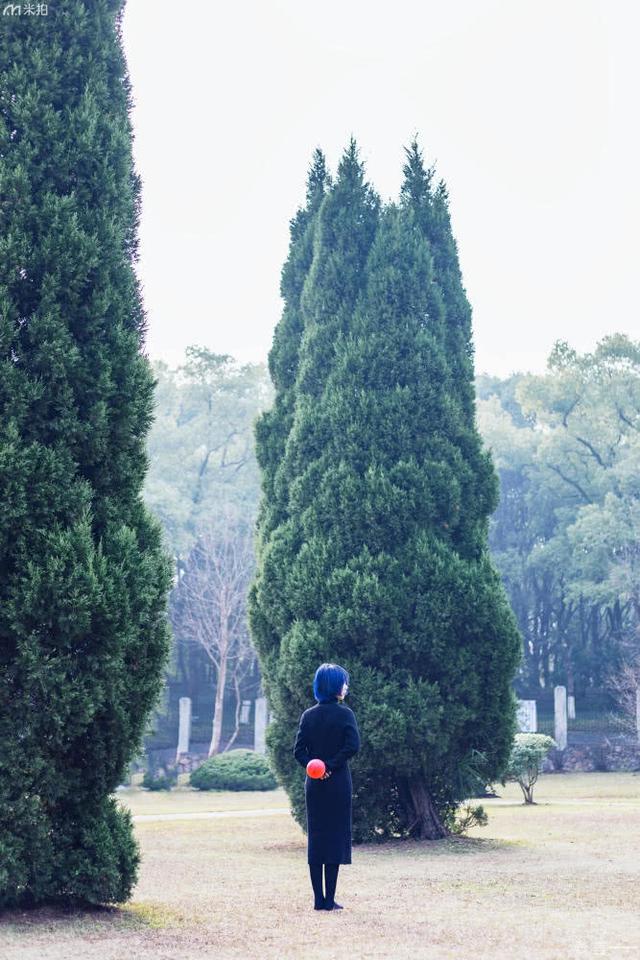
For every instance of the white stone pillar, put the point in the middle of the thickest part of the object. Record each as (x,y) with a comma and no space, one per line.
(560,716)
(527,716)
(638,711)
(184,727)
(260,725)
(571,707)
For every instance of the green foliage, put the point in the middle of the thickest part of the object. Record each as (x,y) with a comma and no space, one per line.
(234,770)
(376,495)
(83,627)
(160,780)
(469,816)
(525,762)
(565,536)
(201,451)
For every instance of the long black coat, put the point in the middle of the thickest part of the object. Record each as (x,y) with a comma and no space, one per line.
(328,732)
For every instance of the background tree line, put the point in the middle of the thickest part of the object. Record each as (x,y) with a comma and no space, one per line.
(203,485)
(565,536)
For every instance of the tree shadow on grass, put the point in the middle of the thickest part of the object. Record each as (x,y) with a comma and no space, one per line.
(82,918)
(448,846)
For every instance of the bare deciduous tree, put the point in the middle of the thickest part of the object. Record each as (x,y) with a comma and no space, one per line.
(211,607)
(242,664)
(624,686)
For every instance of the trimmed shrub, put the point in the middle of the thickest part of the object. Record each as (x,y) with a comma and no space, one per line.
(161,780)
(235,770)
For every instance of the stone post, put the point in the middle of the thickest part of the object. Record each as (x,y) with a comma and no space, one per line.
(638,712)
(571,707)
(527,716)
(184,727)
(260,725)
(560,715)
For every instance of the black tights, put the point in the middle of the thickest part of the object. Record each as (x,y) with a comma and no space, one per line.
(330,881)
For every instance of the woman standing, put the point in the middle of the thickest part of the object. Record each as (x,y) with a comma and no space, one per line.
(328,731)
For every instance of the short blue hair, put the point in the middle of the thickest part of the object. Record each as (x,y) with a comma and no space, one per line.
(328,682)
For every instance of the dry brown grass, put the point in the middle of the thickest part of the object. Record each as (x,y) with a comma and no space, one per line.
(186,800)
(556,881)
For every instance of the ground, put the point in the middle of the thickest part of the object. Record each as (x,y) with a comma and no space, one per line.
(554,881)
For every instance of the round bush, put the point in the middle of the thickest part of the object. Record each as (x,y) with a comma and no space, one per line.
(235,770)
(162,780)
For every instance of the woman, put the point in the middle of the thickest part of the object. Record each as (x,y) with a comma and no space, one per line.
(328,731)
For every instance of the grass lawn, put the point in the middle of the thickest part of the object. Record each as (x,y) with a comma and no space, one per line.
(555,881)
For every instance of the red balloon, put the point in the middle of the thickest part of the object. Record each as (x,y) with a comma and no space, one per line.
(316,769)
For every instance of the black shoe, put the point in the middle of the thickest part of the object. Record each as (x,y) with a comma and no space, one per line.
(335,906)
(320,906)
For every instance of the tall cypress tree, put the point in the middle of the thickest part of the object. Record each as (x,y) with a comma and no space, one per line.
(272,428)
(274,425)
(83,626)
(447,301)
(339,234)
(383,565)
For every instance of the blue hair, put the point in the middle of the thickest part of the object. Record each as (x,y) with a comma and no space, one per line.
(328,682)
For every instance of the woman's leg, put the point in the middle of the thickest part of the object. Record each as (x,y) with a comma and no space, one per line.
(315,871)
(330,881)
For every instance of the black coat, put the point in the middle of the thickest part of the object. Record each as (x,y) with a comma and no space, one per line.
(328,732)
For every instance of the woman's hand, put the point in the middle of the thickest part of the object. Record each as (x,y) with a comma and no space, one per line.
(326,775)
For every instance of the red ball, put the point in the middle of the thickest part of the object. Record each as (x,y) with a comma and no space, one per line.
(316,769)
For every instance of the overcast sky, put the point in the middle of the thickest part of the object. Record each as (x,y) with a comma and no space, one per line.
(528,107)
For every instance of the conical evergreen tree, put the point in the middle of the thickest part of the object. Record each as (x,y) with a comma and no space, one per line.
(382,563)
(273,427)
(430,205)
(341,232)
(83,626)
(475,478)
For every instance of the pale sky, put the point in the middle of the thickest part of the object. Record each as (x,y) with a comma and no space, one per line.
(528,107)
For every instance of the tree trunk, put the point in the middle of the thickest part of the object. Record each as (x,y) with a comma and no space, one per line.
(236,684)
(218,706)
(424,822)
(527,789)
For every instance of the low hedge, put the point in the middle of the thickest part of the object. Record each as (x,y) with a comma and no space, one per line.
(235,770)
(161,780)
